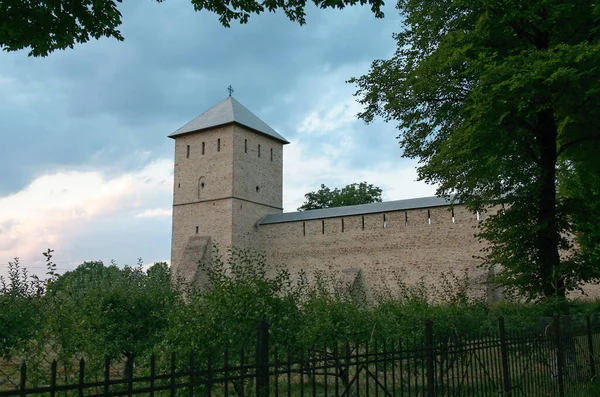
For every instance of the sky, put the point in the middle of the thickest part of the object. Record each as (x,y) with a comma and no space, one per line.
(86,167)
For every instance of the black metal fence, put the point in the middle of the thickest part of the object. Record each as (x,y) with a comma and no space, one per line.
(558,359)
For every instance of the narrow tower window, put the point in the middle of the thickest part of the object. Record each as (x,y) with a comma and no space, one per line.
(304,228)
(258,150)
(200,186)
(197,229)
(203,145)
(428,217)
(187,152)
(342,225)
(271,154)
(452,215)
(363,223)
(245,146)
(219,145)
(384,222)
(405,218)
(323,226)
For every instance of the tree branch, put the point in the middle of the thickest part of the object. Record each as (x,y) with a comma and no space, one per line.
(574,142)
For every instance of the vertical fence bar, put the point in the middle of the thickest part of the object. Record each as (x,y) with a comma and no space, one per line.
(592,359)
(81,376)
(394,368)
(262,360)
(347,374)
(226,372)
(376,385)
(242,372)
(130,374)
(325,369)
(152,373)
(301,371)
(192,373)
(385,368)
(504,356)
(276,374)
(408,371)
(559,356)
(23,380)
(337,369)
(366,365)
(209,373)
(357,368)
(53,378)
(288,369)
(314,371)
(106,374)
(172,377)
(430,359)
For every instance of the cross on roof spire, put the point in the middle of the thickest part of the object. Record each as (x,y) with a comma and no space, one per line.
(230,89)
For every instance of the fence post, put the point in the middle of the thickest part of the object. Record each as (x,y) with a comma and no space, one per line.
(23,380)
(262,360)
(504,354)
(559,356)
(429,358)
(590,347)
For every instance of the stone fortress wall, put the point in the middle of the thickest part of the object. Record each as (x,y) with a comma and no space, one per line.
(386,248)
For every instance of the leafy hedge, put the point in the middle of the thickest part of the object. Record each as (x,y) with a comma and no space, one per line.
(97,309)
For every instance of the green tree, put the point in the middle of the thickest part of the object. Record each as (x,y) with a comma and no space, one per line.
(581,187)
(20,314)
(353,194)
(97,310)
(48,25)
(495,97)
(240,294)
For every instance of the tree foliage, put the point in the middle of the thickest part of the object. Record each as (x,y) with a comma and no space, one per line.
(495,98)
(49,25)
(353,194)
(20,317)
(97,309)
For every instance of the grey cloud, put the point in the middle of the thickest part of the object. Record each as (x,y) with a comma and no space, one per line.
(115,98)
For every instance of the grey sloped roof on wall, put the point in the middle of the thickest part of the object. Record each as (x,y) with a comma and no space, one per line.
(228,111)
(386,206)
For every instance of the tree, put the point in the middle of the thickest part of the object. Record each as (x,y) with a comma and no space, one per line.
(49,25)
(353,194)
(20,313)
(496,98)
(97,310)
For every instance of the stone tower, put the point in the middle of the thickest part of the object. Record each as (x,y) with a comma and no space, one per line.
(228,175)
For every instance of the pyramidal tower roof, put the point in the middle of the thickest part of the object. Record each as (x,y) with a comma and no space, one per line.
(228,111)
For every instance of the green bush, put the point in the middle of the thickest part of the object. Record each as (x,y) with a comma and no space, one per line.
(97,309)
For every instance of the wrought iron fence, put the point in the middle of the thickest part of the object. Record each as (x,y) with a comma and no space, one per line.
(558,359)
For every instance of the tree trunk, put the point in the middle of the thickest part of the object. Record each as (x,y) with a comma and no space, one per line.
(547,238)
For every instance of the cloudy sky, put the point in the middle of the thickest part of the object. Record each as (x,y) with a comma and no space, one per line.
(85,162)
